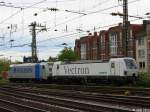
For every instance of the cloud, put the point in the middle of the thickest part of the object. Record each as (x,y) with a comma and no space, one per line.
(57,20)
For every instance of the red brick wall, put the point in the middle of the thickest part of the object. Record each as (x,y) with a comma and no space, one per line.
(103,40)
(96,51)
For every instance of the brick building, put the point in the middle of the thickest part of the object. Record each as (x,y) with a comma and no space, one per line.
(103,45)
(115,41)
(107,44)
(116,46)
(143,47)
(94,47)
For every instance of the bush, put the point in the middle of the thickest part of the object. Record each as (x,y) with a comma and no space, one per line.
(4,65)
(144,80)
(3,81)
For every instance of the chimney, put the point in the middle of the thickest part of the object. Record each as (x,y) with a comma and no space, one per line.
(145,22)
(90,34)
(95,33)
(120,24)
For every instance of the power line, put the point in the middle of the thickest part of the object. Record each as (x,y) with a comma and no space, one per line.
(83,14)
(112,7)
(93,13)
(91,29)
(66,10)
(14,14)
(4,5)
(65,36)
(98,4)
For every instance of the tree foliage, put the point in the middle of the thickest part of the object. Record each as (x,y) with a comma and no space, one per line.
(67,54)
(4,65)
(51,59)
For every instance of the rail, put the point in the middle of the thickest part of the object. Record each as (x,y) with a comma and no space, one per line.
(76,104)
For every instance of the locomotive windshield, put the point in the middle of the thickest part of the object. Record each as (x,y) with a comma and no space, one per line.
(130,64)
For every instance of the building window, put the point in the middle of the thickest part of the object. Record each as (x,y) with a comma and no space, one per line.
(141,53)
(130,33)
(83,51)
(149,45)
(113,44)
(130,53)
(102,41)
(130,41)
(120,41)
(94,45)
(141,41)
(88,47)
(141,65)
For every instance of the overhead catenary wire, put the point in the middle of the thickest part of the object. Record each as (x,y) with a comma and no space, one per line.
(17,12)
(28,44)
(99,27)
(84,14)
(111,7)
(69,19)
(12,6)
(65,36)
(72,11)
(21,9)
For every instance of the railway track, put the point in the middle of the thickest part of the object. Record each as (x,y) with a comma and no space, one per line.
(143,102)
(4,109)
(69,103)
(133,91)
(11,106)
(24,104)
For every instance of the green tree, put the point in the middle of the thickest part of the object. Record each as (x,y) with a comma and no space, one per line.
(67,54)
(4,65)
(52,59)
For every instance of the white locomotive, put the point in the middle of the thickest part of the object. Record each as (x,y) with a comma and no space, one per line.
(95,71)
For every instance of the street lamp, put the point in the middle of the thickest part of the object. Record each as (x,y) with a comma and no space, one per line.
(64,44)
(147,14)
(10,59)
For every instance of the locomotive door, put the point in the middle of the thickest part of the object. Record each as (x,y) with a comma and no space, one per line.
(112,68)
(121,68)
(37,72)
(44,72)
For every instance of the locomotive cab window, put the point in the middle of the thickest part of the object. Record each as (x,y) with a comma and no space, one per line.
(43,67)
(50,69)
(130,64)
(57,66)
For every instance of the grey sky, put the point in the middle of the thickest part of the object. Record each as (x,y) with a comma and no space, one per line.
(97,15)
